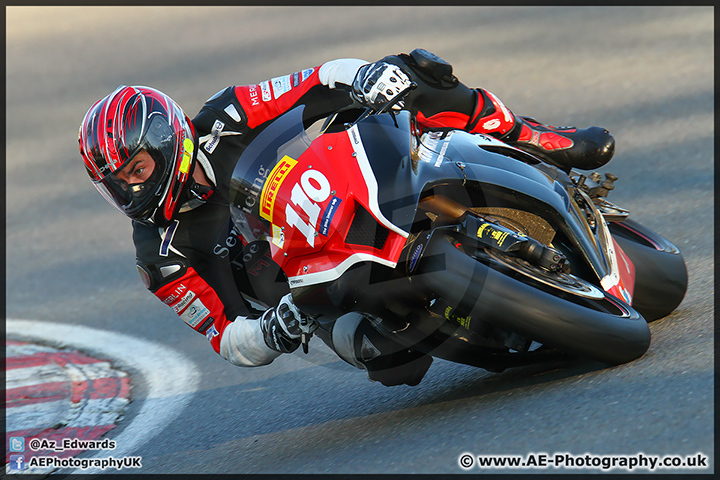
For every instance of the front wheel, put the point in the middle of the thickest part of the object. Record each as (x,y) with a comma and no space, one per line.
(565,313)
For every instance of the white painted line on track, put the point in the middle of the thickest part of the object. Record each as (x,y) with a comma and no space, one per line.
(25,377)
(26,349)
(171,379)
(47,373)
(29,416)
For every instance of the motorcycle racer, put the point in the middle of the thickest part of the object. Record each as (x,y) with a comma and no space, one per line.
(171,175)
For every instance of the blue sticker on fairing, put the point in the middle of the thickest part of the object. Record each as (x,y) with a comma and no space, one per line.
(415,257)
(328,216)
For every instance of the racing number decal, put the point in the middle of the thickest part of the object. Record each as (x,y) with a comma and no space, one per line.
(306,195)
(313,188)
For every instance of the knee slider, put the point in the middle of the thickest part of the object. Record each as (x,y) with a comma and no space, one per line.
(343,337)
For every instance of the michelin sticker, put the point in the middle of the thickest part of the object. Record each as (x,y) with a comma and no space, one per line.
(278,236)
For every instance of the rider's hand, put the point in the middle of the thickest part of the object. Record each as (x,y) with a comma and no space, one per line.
(283,325)
(377,84)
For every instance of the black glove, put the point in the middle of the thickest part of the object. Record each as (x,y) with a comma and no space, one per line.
(284,326)
(376,84)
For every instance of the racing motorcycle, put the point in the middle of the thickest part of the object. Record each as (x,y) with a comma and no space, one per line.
(455,244)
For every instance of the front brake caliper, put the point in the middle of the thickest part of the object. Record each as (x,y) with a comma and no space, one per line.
(501,238)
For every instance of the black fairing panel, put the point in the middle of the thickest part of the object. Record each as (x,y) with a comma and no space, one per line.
(403,175)
(477,170)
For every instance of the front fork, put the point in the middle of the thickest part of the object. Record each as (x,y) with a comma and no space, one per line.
(500,238)
(493,235)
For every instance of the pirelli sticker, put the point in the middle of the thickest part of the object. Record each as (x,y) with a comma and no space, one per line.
(272,186)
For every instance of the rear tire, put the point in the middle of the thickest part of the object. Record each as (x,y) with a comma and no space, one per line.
(661,277)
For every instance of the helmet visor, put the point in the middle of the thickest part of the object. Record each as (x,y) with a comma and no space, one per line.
(138,186)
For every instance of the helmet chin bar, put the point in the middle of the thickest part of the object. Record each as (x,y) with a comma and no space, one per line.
(142,197)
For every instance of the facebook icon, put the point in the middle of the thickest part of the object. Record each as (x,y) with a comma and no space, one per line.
(17,462)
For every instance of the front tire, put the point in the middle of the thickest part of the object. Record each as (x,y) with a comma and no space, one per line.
(596,326)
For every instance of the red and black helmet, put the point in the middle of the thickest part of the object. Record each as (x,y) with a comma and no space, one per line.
(121,125)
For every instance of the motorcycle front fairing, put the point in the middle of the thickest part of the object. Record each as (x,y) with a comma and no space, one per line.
(376,172)
(314,202)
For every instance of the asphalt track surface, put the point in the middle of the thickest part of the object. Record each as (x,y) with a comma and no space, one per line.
(645,73)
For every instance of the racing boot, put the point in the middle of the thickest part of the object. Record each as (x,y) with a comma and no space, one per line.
(565,147)
(356,341)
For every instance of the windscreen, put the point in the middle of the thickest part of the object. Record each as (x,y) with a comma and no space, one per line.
(285,136)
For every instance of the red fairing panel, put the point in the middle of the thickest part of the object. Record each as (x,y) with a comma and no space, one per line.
(311,202)
(197,304)
(625,287)
(268,99)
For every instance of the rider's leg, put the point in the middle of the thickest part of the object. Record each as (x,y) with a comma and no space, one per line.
(564,147)
(441,101)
